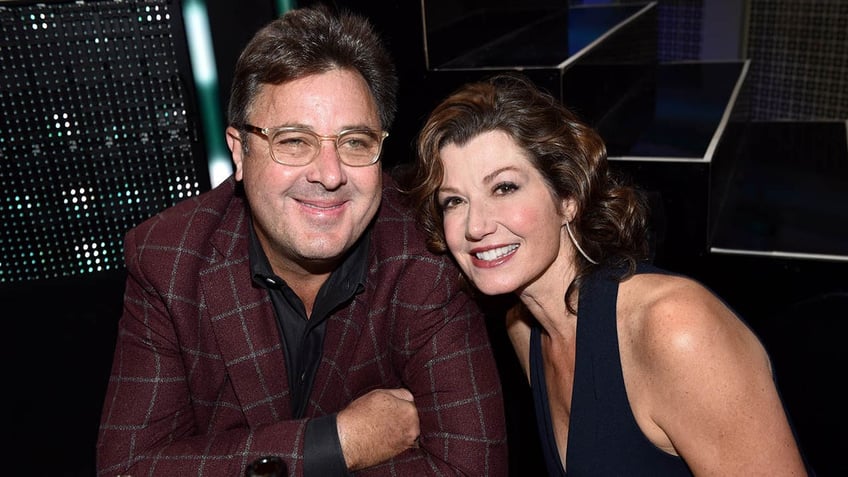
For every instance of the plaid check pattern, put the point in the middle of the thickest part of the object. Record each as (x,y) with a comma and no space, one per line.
(198,383)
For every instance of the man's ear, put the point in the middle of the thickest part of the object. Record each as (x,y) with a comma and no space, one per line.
(236,150)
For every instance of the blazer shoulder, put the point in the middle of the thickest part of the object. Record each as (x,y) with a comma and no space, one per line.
(396,230)
(194,228)
(398,249)
(200,215)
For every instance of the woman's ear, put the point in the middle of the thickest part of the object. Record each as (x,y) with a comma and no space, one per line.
(569,209)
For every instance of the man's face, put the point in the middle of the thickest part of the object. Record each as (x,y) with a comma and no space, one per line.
(307,217)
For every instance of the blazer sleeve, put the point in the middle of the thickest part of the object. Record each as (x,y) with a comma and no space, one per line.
(442,345)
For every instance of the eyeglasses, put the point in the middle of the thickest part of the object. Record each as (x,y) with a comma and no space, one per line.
(293,146)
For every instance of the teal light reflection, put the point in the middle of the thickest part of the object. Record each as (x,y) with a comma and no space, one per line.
(285,5)
(206,80)
(202,56)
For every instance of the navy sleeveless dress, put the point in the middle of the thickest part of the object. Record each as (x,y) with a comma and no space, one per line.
(603,437)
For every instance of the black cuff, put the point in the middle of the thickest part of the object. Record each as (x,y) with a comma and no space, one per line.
(322,450)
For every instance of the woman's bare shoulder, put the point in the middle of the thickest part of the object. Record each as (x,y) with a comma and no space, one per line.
(676,321)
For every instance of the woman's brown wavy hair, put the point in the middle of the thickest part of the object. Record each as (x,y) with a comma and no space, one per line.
(611,215)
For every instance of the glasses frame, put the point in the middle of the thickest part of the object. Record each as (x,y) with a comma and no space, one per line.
(268,133)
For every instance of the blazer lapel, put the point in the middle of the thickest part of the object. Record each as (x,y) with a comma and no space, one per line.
(244,324)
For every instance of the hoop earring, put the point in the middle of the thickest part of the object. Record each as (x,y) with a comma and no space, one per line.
(577,245)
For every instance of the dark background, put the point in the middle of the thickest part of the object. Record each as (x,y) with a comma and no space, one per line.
(58,350)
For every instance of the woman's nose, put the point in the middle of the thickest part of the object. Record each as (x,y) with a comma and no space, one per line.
(479,222)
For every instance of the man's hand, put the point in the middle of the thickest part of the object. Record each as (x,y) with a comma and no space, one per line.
(377,426)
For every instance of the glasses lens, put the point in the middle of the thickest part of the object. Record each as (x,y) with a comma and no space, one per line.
(293,147)
(297,147)
(359,148)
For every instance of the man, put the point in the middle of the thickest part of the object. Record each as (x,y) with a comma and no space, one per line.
(294,311)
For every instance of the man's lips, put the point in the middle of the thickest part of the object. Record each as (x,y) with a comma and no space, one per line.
(322,210)
(320,204)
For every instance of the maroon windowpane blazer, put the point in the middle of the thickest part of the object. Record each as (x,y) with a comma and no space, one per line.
(198,383)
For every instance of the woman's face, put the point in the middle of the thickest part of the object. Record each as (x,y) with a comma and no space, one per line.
(502,222)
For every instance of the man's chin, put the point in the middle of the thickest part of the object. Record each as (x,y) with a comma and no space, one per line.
(323,254)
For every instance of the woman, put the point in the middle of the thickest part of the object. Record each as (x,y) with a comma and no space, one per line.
(634,370)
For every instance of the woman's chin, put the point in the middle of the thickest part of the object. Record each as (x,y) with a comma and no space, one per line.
(489,288)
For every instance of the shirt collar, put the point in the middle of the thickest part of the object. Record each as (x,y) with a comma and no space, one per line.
(347,279)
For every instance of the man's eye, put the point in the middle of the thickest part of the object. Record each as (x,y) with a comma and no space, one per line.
(355,142)
(291,142)
(359,141)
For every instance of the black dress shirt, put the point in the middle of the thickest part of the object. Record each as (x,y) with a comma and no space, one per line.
(303,338)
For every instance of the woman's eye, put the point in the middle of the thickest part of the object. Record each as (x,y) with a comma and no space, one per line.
(449,202)
(505,188)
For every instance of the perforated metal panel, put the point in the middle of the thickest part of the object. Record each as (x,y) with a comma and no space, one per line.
(679,26)
(98,131)
(799,59)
